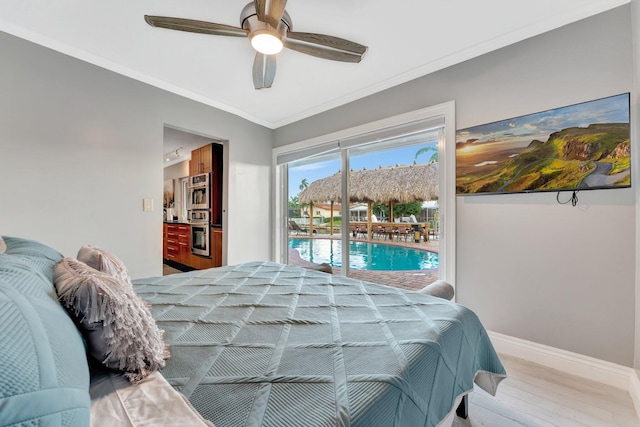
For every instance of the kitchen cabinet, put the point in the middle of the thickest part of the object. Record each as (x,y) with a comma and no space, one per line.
(176,247)
(216,246)
(165,228)
(184,243)
(173,250)
(201,160)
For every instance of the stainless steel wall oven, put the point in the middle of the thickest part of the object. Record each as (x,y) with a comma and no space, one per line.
(199,197)
(200,238)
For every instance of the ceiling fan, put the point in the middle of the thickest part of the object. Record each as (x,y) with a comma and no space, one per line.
(268,25)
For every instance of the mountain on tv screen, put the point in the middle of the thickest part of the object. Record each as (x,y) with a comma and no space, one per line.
(577,147)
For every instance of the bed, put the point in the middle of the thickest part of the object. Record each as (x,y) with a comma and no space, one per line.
(266,344)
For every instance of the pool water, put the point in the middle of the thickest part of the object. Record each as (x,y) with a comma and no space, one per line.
(364,255)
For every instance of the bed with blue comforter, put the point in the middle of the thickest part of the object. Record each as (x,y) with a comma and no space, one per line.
(265,344)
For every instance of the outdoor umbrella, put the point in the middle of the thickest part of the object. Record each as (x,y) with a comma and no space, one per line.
(399,184)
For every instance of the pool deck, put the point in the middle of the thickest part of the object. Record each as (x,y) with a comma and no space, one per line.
(411,280)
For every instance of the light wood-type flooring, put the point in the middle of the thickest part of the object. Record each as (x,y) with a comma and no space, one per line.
(534,396)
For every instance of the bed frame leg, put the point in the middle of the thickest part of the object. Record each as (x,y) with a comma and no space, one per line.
(463,407)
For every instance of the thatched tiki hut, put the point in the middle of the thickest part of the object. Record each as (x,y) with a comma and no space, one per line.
(400,184)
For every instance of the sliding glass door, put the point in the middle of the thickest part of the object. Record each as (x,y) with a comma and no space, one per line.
(393,184)
(389,227)
(314,212)
(391,218)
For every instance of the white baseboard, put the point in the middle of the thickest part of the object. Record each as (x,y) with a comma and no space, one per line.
(634,391)
(604,372)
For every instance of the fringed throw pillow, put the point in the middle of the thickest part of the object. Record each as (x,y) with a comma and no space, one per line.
(115,321)
(104,261)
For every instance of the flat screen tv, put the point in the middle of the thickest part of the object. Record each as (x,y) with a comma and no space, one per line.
(577,147)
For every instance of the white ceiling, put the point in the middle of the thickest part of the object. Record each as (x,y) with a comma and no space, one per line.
(406,39)
(178,145)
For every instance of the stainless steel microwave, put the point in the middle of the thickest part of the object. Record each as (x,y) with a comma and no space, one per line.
(199,216)
(201,180)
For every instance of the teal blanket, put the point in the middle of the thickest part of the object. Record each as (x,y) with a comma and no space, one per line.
(264,344)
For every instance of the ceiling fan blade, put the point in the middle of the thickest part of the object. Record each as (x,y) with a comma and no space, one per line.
(270,11)
(261,6)
(264,70)
(194,26)
(327,47)
(275,10)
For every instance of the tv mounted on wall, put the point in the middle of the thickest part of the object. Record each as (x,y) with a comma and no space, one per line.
(577,147)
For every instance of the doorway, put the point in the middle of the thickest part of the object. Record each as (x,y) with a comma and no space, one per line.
(179,252)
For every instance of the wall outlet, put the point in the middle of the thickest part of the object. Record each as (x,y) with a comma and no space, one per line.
(147,205)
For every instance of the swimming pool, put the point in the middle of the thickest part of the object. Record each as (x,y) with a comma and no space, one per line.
(365,255)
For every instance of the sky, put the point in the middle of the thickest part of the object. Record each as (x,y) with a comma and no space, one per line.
(327,167)
(522,130)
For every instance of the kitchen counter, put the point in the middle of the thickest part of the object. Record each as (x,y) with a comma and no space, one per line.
(188,223)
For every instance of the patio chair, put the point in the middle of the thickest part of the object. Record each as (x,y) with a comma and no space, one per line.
(295,227)
(389,232)
(405,232)
(378,232)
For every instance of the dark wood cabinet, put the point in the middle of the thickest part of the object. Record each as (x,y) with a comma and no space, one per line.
(216,183)
(165,228)
(184,243)
(176,247)
(171,243)
(216,246)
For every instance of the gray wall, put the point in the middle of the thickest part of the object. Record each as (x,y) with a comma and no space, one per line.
(80,147)
(531,268)
(635,135)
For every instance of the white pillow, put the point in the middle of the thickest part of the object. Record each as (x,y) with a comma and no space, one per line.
(3,246)
(103,261)
(116,323)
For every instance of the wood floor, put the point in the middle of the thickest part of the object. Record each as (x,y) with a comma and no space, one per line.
(534,396)
(167,269)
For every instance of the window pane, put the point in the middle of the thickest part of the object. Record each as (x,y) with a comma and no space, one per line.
(314,216)
(392,227)
(393,211)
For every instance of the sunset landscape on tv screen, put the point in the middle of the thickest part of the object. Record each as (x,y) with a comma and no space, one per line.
(577,147)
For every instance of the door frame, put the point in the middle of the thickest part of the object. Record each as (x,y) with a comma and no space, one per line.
(447,196)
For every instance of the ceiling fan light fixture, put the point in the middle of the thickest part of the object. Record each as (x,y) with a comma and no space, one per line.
(267,42)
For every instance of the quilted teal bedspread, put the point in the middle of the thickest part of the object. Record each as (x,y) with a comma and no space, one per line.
(264,344)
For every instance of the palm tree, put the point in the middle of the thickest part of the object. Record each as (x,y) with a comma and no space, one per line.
(304,184)
(294,206)
(423,150)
